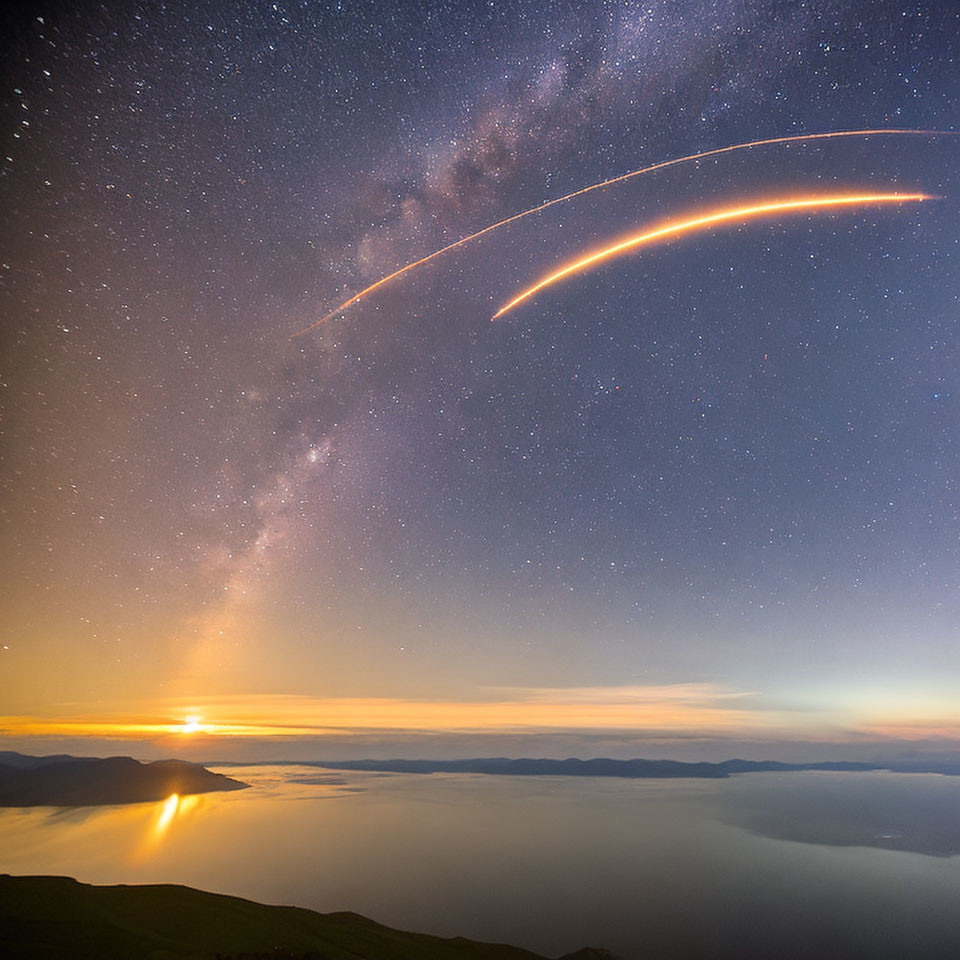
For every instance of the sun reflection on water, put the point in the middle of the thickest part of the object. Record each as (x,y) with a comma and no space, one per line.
(170,809)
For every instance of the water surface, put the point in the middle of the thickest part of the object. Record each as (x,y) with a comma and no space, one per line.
(794,865)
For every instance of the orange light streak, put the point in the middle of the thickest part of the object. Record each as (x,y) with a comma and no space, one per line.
(799,138)
(673,228)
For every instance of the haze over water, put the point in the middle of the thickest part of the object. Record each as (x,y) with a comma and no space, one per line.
(792,865)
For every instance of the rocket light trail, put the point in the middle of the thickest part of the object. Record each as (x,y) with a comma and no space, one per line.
(675,227)
(798,138)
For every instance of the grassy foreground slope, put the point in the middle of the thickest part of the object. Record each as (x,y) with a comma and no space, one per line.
(48,918)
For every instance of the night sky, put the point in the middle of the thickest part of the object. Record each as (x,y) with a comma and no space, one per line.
(706,492)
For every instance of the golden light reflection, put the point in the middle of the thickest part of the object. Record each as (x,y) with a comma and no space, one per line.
(702,221)
(170,809)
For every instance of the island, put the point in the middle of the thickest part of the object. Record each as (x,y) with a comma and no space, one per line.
(65,781)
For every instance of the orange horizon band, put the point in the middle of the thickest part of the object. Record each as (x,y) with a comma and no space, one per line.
(797,138)
(672,228)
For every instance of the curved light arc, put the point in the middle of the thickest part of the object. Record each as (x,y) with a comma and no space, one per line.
(704,221)
(797,138)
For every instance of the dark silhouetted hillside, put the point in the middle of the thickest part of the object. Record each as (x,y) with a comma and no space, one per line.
(48,918)
(84,781)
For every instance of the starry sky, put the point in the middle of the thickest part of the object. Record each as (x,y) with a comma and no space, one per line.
(704,496)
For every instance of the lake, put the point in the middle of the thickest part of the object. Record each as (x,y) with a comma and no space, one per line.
(804,864)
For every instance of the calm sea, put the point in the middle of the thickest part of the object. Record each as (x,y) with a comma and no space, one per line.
(763,865)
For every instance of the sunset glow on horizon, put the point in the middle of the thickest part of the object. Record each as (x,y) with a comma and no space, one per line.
(662,712)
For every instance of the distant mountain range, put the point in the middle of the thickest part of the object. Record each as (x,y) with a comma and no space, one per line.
(44,918)
(649,769)
(85,781)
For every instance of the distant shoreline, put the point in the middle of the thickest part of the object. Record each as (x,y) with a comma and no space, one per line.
(603,767)
(67,781)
